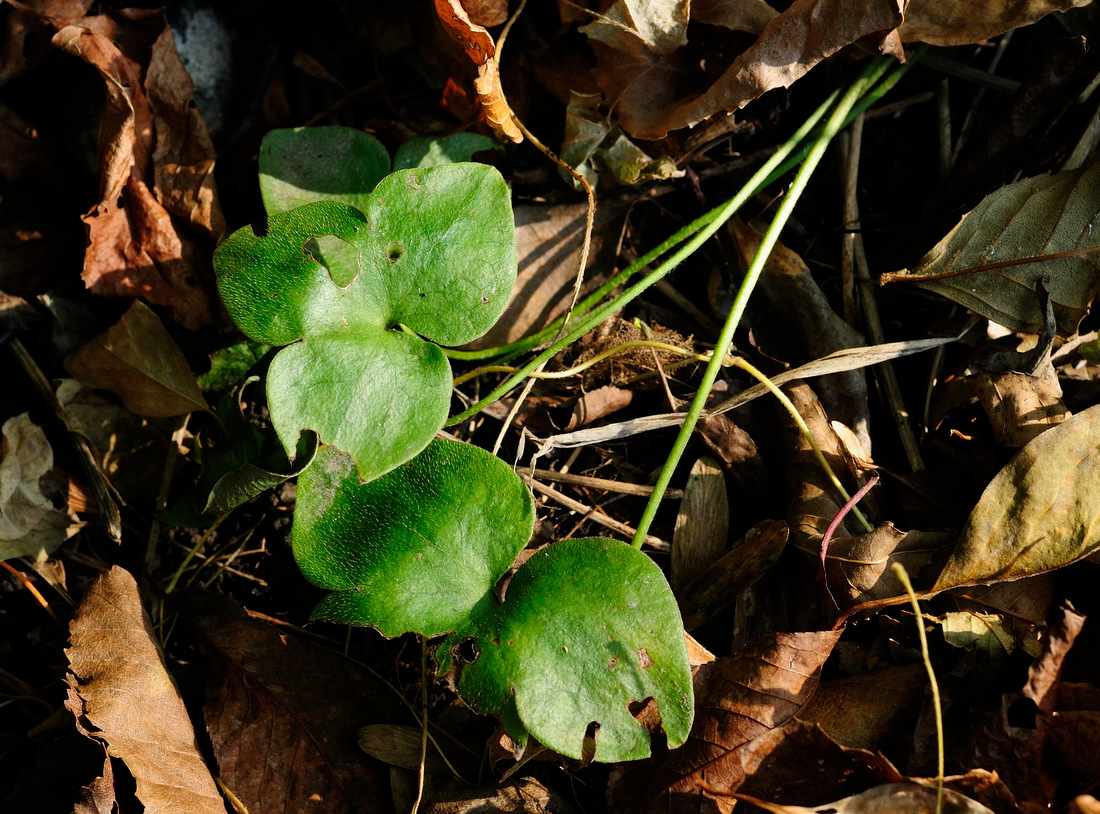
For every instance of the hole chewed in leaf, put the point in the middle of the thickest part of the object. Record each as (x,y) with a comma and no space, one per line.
(394,251)
(339,257)
(466,652)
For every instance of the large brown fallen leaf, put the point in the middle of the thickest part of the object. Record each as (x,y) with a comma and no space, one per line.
(646,83)
(283,716)
(137,359)
(120,691)
(959,22)
(1017,237)
(737,700)
(1040,512)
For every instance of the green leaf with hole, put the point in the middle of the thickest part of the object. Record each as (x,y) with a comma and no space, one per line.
(588,628)
(417,549)
(1039,513)
(432,250)
(310,164)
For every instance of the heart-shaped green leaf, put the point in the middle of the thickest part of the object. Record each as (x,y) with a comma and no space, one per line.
(588,627)
(417,549)
(433,250)
(309,164)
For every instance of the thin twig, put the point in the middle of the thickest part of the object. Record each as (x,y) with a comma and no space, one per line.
(594,514)
(605,484)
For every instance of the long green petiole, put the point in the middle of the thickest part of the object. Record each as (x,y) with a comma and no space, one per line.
(713,221)
(833,125)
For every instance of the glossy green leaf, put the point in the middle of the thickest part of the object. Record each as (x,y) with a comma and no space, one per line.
(418,549)
(587,628)
(311,164)
(1040,512)
(421,151)
(993,259)
(432,250)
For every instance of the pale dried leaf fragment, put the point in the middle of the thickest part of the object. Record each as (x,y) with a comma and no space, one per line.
(30,524)
(960,22)
(659,26)
(994,259)
(702,524)
(121,692)
(137,359)
(892,798)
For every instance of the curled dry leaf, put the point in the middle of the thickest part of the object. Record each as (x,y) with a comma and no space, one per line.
(648,83)
(479,47)
(134,247)
(737,15)
(30,525)
(1040,229)
(959,22)
(120,690)
(137,359)
(1040,512)
(738,699)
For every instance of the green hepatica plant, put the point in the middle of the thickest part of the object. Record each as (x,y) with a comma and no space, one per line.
(362,275)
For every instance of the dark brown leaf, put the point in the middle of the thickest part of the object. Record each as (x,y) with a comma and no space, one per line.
(737,699)
(275,700)
(951,22)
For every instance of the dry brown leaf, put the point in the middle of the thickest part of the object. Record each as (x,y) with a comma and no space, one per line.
(1020,406)
(736,15)
(892,798)
(1014,740)
(655,26)
(959,22)
(725,440)
(810,324)
(486,12)
(275,701)
(183,160)
(859,569)
(651,100)
(702,523)
(479,47)
(523,796)
(735,571)
(737,699)
(120,691)
(871,710)
(137,358)
(98,797)
(134,247)
(598,404)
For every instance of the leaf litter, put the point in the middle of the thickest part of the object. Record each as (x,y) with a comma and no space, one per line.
(999,534)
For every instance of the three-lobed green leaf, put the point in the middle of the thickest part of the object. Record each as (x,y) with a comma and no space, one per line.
(432,250)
